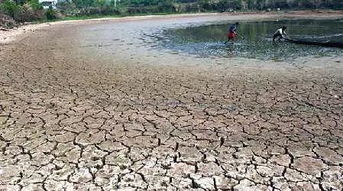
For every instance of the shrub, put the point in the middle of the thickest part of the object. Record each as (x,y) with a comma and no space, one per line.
(104,10)
(29,11)
(35,5)
(68,8)
(51,14)
(9,8)
(166,6)
(24,14)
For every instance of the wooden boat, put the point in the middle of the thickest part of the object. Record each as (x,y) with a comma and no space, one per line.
(325,44)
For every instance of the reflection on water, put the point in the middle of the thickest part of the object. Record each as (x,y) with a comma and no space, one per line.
(255,39)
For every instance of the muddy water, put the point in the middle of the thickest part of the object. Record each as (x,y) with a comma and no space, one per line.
(255,40)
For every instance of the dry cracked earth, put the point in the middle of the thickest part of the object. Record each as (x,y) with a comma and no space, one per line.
(68,122)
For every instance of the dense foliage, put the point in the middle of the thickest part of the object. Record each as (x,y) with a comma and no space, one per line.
(25,10)
(29,10)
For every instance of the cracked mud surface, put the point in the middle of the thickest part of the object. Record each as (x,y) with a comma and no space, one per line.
(72,118)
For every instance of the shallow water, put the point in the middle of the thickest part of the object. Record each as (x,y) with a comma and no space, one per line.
(255,40)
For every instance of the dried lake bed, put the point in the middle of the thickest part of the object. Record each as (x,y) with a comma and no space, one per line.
(99,105)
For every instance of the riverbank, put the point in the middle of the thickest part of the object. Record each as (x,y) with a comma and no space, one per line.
(91,105)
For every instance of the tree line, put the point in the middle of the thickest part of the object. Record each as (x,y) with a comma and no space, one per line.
(181,6)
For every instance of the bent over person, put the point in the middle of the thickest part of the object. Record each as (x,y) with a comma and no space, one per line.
(280,34)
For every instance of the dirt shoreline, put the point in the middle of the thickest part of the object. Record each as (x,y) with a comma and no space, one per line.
(81,109)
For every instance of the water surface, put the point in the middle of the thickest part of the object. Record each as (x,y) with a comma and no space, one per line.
(255,39)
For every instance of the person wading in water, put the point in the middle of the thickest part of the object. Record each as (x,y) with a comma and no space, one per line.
(280,34)
(232,32)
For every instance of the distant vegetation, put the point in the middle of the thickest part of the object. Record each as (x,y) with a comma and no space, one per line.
(31,10)
(13,12)
(129,7)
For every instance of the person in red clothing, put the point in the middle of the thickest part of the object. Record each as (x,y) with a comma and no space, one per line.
(232,32)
